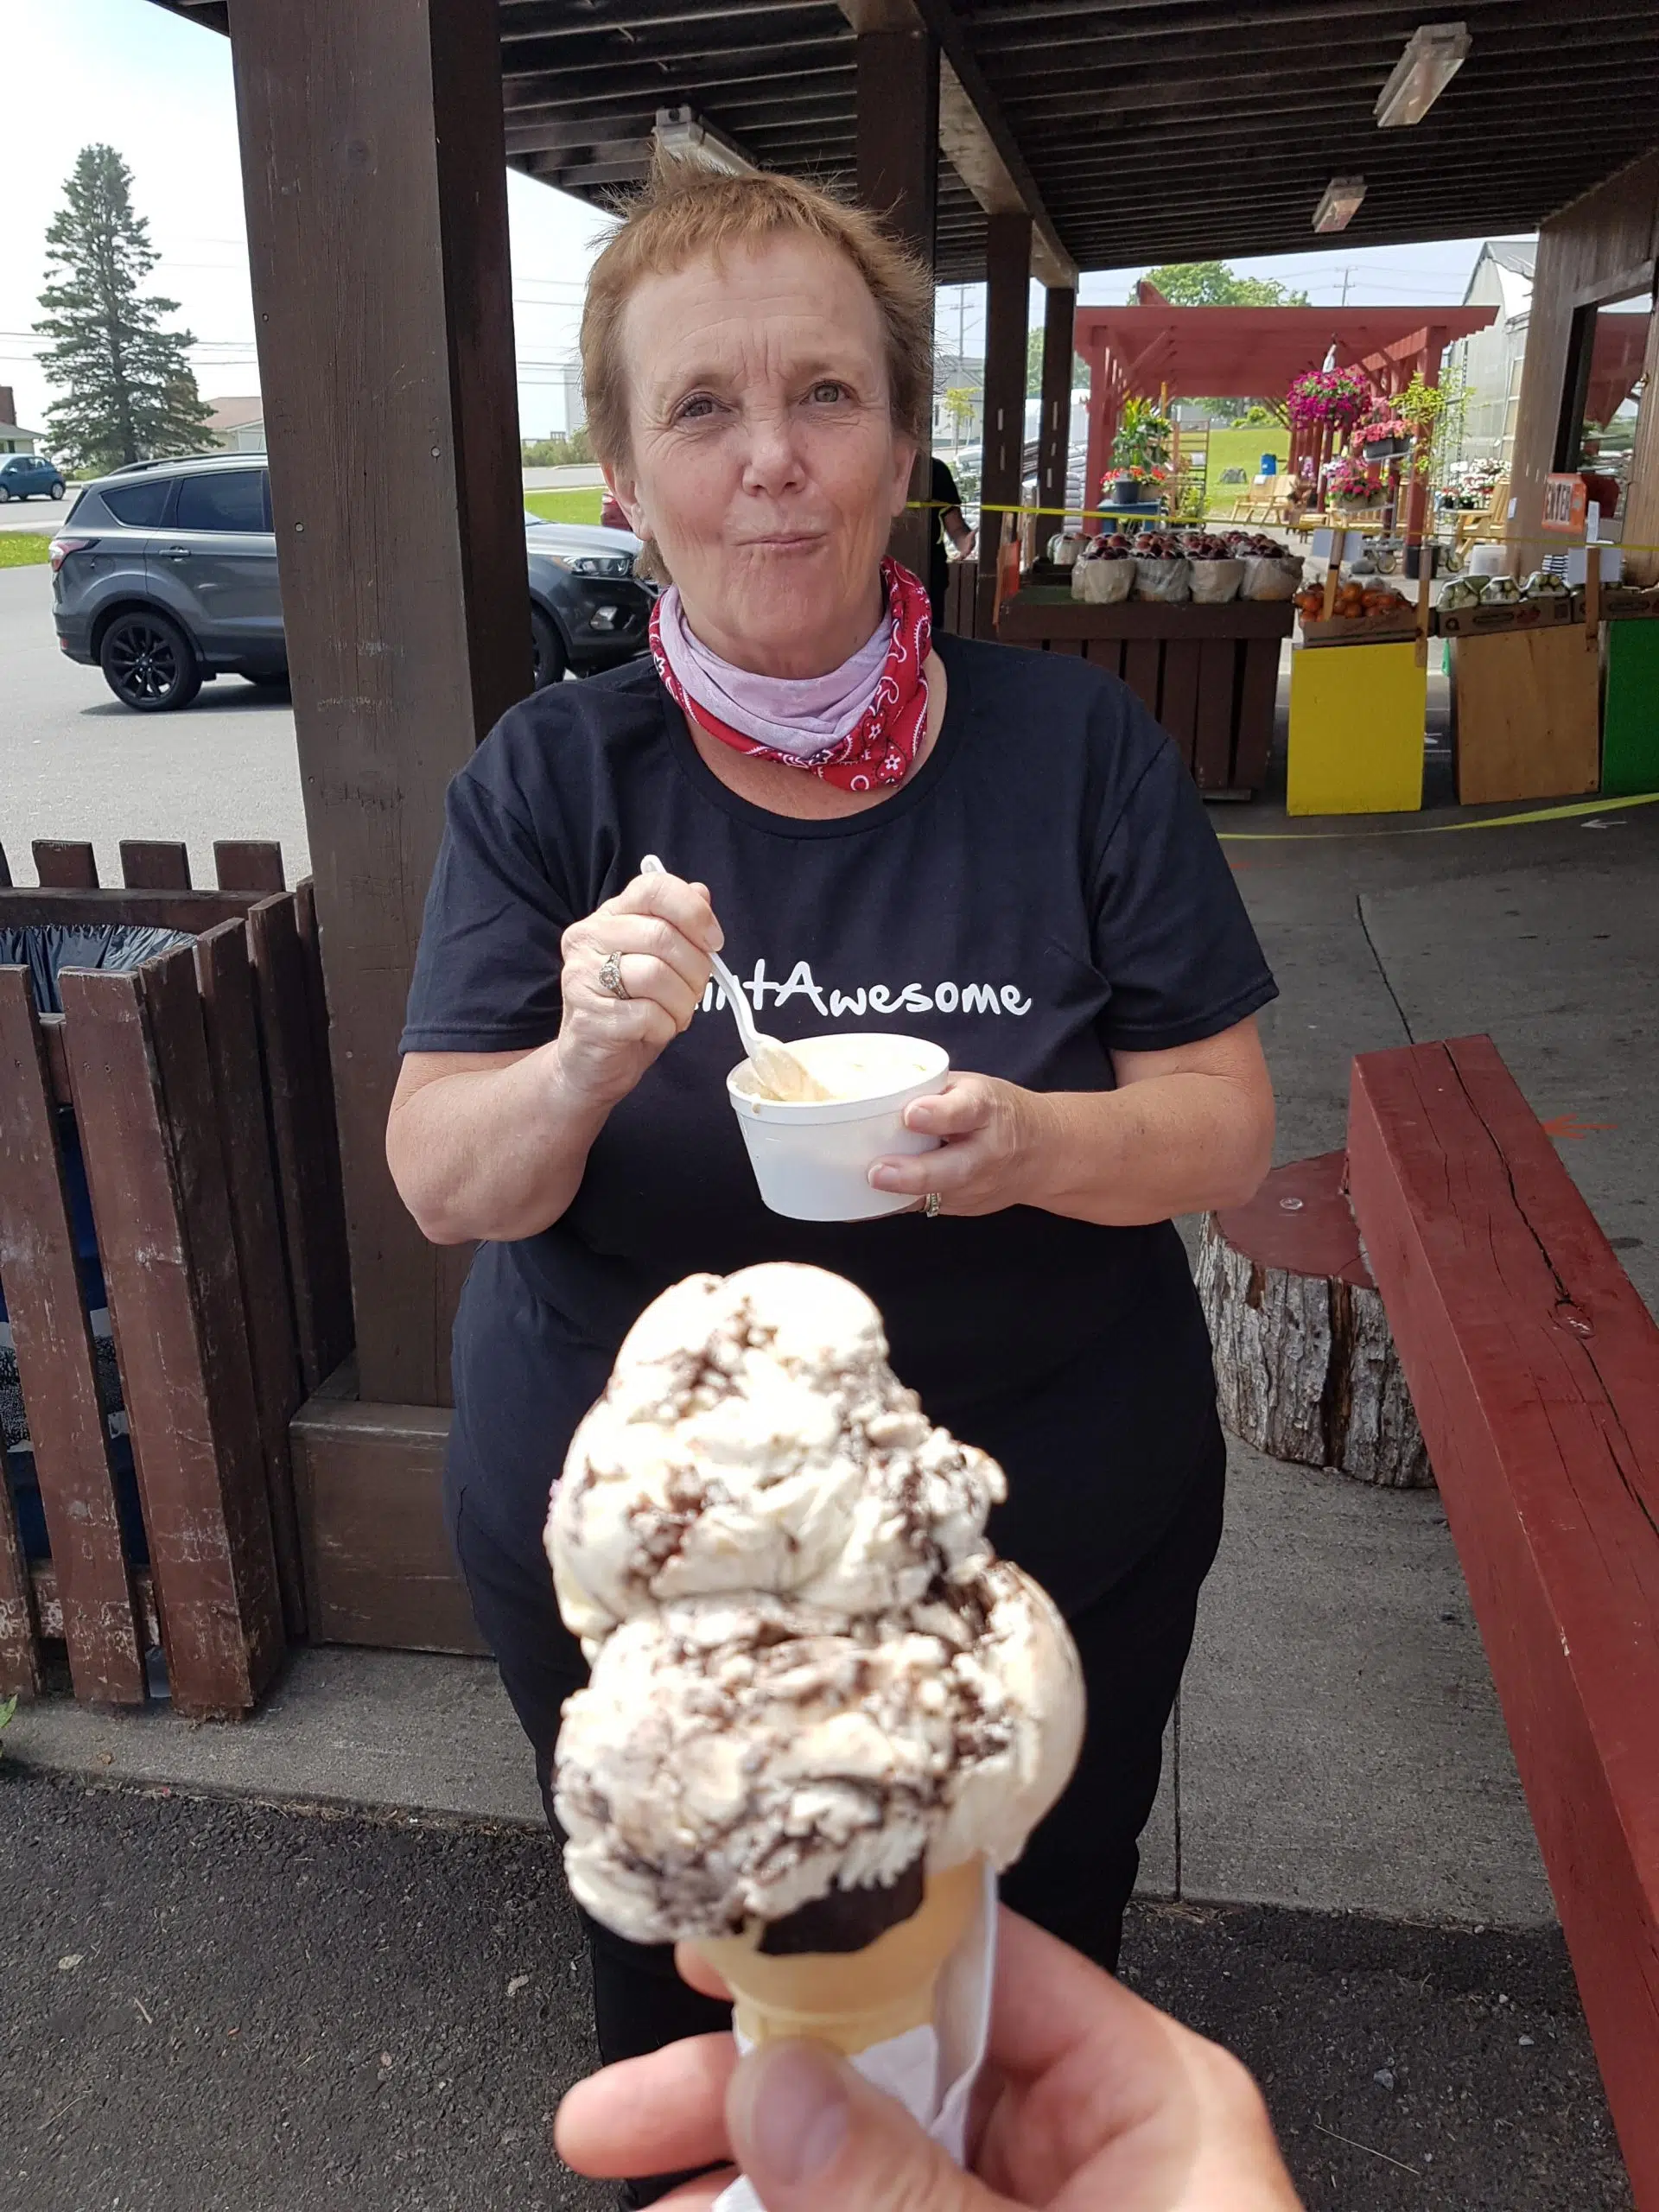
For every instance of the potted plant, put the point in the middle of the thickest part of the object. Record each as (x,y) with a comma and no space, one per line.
(1384,436)
(1132,486)
(1336,397)
(1141,453)
(1355,483)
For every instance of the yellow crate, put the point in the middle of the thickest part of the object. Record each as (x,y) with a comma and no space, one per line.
(1357,722)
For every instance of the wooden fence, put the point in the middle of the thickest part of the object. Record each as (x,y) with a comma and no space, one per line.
(196,1090)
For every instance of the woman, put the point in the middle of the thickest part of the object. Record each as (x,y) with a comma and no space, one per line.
(995,849)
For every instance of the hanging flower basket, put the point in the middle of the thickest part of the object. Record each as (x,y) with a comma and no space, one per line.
(1336,397)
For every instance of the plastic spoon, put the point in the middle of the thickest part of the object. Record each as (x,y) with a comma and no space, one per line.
(780,1072)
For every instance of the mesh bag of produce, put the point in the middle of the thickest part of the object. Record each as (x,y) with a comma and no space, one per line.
(1102,583)
(1214,583)
(1156,578)
(1271,576)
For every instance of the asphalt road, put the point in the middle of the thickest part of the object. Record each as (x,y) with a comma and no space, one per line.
(73,763)
(36,514)
(213,2006)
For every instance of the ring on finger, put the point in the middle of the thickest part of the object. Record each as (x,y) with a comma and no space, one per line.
(610,977)
(934,1205)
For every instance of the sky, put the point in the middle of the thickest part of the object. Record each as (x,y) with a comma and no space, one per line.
(158,89)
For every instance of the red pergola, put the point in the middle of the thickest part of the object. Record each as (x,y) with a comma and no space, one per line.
(1247,353)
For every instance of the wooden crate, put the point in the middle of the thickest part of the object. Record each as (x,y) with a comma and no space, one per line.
(1357,724)
(1526,715)
(1361,630)
(1209,674)
(211,1238)
(1502,617)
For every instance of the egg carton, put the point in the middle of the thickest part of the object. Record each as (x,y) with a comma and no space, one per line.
(1493,617)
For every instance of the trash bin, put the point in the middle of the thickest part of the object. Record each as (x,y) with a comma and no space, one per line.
(46,950)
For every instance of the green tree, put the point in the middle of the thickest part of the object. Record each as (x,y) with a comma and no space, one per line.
(128,391)
(1035,367)
(1213,284)
(960,402)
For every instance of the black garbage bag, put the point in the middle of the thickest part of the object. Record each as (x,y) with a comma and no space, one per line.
(47,948)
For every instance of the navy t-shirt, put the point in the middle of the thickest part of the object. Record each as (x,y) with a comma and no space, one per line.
(1044,889)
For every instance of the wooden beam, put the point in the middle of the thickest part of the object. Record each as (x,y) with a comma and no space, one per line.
(374,171)
(898,157)
(1007,291)
(973,133)
(1054,422)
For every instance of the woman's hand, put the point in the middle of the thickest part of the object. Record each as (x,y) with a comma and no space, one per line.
(991,1131)
(662,931)
(1090,2099)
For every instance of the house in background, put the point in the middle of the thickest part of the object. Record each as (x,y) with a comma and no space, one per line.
(13,439)
(237,425)
(1489,361)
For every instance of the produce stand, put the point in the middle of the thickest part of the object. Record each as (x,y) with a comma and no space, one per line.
(1209,674)
(1357,713)
(1525,713)
(1629,758)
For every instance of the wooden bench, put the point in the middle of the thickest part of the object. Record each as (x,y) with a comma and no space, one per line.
(1534,1367)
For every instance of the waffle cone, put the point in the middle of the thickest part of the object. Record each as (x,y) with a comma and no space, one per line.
(849,1999)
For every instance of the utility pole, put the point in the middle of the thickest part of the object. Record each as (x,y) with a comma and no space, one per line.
(1346,273)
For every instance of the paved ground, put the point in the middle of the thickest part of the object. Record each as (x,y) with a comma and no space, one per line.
(214,2006)
(73,763)
(37,515)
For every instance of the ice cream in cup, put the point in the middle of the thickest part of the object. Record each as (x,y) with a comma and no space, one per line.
(821,1707)
(811,1158)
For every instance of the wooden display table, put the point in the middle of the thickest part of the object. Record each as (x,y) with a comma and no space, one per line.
(1526,715)
(1209,674)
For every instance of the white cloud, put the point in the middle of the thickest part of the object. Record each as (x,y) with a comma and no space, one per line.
(159,90)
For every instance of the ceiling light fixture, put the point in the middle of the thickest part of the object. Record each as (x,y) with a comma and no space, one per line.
(1340,204)
(682,132)
(1434,54)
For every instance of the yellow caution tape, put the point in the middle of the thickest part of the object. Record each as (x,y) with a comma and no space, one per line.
(1579,807)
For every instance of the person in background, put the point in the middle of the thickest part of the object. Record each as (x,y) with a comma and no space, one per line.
(946,519)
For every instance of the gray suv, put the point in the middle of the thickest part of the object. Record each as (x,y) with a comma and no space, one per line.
(165,575)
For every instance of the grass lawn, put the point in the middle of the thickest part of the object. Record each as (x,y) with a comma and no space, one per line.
(1241,447)
(20,549)
(580,506)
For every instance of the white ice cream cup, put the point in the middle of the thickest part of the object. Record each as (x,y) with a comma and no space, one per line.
(812,1157)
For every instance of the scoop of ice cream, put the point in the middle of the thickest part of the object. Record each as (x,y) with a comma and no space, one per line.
(752,1437)
(733,1760)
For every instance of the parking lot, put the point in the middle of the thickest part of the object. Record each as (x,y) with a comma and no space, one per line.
(75,764)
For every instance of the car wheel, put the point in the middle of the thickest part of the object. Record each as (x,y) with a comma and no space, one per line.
(149,663)
(56,491)
(4,495)
(548,648)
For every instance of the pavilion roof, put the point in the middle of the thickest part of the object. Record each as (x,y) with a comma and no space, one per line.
(1151,129)
(1244,352)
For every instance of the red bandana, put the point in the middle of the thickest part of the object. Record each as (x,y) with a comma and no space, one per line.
(881,745)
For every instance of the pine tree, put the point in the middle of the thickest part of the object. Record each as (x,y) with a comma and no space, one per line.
(130,393)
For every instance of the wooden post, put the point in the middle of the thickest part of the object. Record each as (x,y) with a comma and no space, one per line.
(143,1098)
(1054,422)
(58,1373)
(898,162)
(374,174)
(1007,285)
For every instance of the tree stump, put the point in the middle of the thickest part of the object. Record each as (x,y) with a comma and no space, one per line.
(1306,1368)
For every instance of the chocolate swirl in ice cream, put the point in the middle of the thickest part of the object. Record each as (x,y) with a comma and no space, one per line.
(811,1673)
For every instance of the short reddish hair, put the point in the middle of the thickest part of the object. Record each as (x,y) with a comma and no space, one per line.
(687,210)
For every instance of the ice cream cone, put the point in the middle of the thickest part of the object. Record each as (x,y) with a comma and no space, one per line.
(849,1999)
